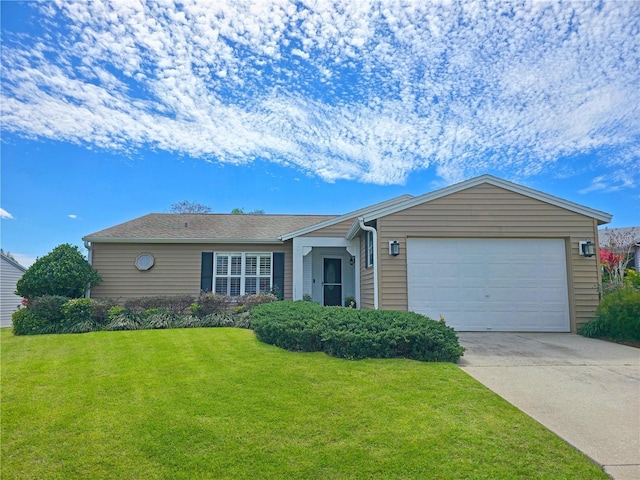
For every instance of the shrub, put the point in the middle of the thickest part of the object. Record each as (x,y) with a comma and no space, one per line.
(296,326)
(617,316)
(48,308)
(158,318)
(188,321)
(122,319)
(175,304)
(350,302)
(78,316)
(632,279)
(45,315)
(251,301)
(64,271)
(217,319)
(211,303)
(242,320)
(355,334)
(25,322)
(100,311)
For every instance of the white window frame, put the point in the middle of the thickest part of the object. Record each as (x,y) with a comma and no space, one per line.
(368,249)
(259,276)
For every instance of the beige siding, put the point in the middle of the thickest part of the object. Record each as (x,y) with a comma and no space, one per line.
(337,230)
(366,279)
(486,211)
(176,270)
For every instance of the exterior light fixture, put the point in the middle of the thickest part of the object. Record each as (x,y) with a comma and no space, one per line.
(352,261)
(587,248)
(394,248)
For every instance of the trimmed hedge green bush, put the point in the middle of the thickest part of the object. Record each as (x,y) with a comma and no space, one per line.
(617,316)
(355,334)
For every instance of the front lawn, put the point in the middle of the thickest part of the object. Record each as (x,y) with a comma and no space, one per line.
(216,403)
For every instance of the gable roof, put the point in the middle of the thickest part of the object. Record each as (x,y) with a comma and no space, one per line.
(12,262)
(205,227)
(602,217)
(346,216)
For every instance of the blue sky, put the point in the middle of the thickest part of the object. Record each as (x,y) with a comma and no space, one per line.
(115,109)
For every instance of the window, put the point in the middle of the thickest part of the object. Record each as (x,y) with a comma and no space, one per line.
(369,249)
(238,274)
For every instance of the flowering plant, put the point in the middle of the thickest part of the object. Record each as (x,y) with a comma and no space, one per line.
(613,265)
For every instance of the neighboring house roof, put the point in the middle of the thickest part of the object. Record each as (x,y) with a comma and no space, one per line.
(631,234)
(602,217)
(12,262)
(205,227)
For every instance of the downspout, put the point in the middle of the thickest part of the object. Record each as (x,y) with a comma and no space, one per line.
(375,259)
(87,245)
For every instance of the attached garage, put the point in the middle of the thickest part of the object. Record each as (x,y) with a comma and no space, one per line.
(484,254)
(489,284)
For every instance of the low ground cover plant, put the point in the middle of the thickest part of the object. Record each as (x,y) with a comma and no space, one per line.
(355,334)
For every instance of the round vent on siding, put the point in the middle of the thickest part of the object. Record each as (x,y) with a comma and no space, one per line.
(144,261)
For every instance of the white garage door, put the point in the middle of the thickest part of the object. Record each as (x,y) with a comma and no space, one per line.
(516,285)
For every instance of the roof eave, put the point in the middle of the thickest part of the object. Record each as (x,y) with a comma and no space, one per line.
(354,229)
(183,240)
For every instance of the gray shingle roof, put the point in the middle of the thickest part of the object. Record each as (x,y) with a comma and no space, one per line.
(206,227)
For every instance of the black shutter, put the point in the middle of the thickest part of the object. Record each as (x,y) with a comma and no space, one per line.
(206,275)
(278,274)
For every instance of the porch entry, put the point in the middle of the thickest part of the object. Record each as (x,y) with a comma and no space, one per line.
(332,282)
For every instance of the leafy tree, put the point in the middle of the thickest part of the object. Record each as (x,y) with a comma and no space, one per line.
(186,206)
(64,271)
(240,211)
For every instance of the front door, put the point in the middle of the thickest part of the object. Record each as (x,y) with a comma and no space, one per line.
(332,281)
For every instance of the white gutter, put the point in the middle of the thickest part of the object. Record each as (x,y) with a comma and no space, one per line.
(87,245)
(181,240)
(375,259)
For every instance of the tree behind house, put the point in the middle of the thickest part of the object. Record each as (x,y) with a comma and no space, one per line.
(186,206)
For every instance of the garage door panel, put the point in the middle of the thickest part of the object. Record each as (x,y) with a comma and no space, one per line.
(490,284)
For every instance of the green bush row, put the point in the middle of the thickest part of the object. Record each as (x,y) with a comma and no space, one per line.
(58,314)
(617,316)
(354,334)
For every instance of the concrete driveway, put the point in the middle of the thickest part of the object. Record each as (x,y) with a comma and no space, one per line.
(586,391)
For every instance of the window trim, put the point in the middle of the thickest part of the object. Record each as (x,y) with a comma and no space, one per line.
(243,272)
(368,250)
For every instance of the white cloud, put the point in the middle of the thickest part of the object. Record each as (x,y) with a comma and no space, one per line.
(344,90)
(5,215)
(614,182)
(72,216)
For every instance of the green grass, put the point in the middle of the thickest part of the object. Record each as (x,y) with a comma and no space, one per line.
(216,403)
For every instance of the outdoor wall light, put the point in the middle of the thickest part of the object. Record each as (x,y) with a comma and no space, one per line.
(352,261)
(587,248)
(394,248)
